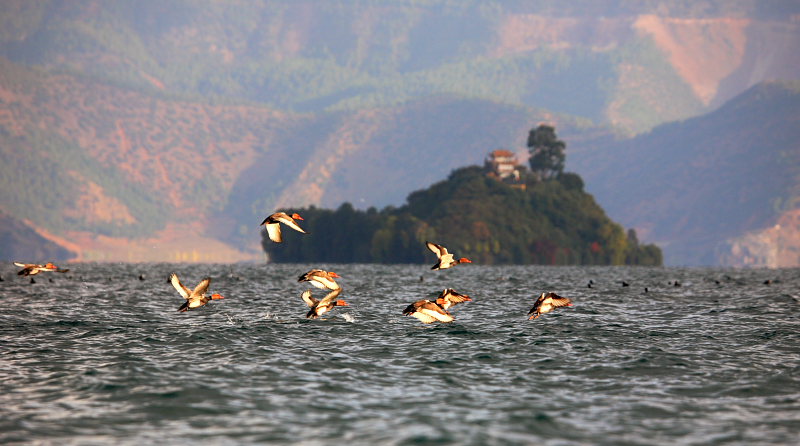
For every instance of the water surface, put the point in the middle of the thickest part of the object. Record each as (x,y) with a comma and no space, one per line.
(98,356)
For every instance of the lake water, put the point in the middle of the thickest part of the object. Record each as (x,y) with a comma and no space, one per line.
(98,356)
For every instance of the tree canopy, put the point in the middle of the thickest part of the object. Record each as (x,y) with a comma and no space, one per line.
(476,216)
(547,152)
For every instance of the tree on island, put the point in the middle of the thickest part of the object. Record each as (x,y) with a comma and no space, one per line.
(479,216)
(547,152)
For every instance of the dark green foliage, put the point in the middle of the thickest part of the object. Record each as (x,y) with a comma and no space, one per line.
(475,216)
(547,152)
(647,255)
(571,181)
(347,235)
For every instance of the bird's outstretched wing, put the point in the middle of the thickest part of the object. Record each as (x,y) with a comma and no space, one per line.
(308,298)
(182,290)
(439,250)
(202,287)
(274,232)
(329,297)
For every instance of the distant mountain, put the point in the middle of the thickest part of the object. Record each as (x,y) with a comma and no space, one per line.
(100,164)
(723,188)
(20,243)
(631,64)
(156,131)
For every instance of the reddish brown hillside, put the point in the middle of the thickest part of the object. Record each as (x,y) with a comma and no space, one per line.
(518,33)
(703,51)
(183,154)
(168,146)
(217,169)
(717,57)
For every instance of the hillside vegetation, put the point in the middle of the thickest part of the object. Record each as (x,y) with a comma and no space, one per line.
(551,222)
(98,158)
(606,61)
(140,131)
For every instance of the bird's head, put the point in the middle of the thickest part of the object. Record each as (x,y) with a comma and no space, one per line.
(341,303)
(297,216)
(216,296)
(464,260)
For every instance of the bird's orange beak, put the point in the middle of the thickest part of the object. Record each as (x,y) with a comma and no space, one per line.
(216,296)
(297,217)
(464,260)
(341,303)
(333,274)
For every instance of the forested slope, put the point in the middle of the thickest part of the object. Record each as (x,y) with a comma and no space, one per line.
(550,222)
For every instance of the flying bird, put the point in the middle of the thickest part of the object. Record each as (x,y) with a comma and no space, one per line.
(194,298)
(32,269)
(546,303)
(446,259)
(274,228)
(320,307)
(321,279)
(449,297)
(428,312)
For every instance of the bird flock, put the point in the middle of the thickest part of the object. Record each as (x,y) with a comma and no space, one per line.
(426,311)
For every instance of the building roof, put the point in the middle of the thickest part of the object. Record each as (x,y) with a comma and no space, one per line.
(502,152)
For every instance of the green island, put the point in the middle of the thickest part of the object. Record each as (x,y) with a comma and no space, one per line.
(500,213)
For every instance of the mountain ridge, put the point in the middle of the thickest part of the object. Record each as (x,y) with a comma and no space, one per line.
(745,155)
(171,158)
(124,120)
(313,57)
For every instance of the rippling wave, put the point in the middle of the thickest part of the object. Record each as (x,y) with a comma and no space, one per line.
(99,356)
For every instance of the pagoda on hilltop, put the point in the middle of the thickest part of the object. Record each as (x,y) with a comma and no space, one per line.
(502,165)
